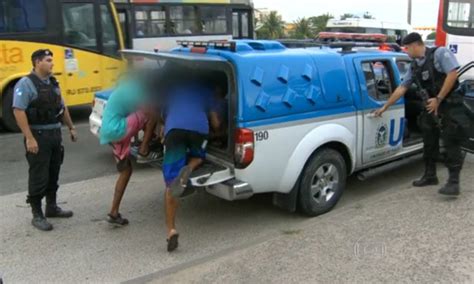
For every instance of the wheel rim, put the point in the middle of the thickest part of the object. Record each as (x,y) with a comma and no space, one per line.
(324,183)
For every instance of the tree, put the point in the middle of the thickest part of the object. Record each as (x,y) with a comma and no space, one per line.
(431,36)
(348,15)
(320,22)
(273,27)
(303,29)
(367,15)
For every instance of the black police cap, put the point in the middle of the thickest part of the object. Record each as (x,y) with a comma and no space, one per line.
(41,53)
(411,38)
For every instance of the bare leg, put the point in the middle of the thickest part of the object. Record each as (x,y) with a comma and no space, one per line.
(120,187)
(149,131)
(194,163)
(171,205)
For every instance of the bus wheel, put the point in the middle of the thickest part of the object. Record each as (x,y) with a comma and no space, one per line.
(323,181)
(8,118)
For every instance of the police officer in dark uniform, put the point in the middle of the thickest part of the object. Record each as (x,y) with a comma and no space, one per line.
(39,111)
(434,72)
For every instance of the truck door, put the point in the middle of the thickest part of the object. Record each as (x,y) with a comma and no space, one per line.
(382,136)
(467,84)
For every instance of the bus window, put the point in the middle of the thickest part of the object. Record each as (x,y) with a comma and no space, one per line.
(214,20)
(77,31)
(373,30)
(460,14)
(235,25)
(240,24)
(22,16)
(245,24)
(150,21)
(109,35)
(184,20)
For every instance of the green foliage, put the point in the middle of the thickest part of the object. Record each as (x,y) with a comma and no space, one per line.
(303,29)
(347,16)
(320,22)
(273,27)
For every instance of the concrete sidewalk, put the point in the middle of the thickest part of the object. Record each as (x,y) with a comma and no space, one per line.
(401,234)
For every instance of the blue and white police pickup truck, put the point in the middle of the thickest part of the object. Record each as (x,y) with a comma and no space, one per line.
(299,119)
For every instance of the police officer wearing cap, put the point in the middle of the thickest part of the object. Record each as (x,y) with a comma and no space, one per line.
(39,111)
(434,72)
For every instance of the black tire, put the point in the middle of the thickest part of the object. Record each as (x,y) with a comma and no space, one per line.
(8,118)
(322,183)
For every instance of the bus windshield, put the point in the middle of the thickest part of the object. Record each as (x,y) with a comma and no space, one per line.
(18,16)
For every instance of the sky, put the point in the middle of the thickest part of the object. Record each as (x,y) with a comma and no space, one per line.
(424,12)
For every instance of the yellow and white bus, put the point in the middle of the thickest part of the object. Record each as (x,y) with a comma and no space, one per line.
(157,24)
(84,37)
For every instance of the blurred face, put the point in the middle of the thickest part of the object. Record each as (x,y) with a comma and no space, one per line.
(44,66)
(415,50)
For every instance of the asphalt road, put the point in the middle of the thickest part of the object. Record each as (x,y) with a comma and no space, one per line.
(382,231)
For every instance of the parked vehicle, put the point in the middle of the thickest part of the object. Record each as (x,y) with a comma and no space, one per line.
(299,120)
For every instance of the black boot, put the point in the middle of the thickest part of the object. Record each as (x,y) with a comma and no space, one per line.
(429,177)
(53,210)
(38,221)
(452,187)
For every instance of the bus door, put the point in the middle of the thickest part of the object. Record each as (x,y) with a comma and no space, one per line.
(82,59)
(109,41)
(125,25)
(241,24)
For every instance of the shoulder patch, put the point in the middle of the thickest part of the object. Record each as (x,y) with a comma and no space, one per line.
(18,92)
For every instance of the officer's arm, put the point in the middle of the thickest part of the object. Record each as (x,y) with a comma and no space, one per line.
(448,84)
(21,101)
(399,92)
(22,122)
(449,64)
(67,118)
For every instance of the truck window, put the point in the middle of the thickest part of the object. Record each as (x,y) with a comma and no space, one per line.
(18,16)
(403,67)
(379,79)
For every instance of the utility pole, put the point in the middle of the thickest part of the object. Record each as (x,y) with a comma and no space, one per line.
(409,11)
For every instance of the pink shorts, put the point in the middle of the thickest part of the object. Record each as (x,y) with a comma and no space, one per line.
(135,122)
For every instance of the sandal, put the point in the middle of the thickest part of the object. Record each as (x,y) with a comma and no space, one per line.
(172,242)
(178,186)
(149,158)
(117,220)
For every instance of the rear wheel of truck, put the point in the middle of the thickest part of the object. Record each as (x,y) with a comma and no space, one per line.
(8,118)
(323,182)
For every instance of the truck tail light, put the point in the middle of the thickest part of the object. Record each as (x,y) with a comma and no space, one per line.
(244,148)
